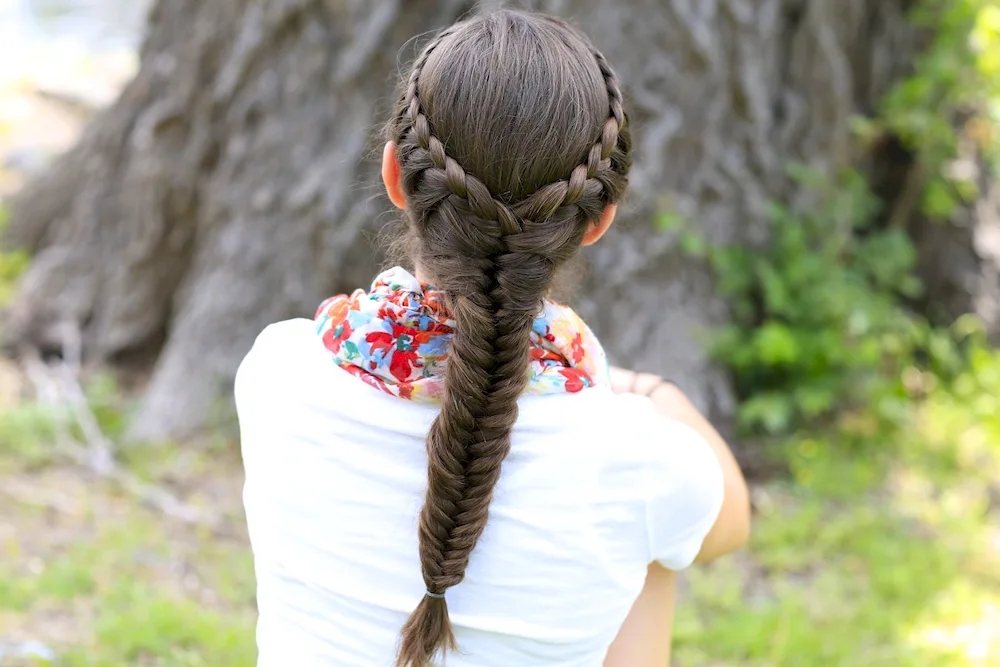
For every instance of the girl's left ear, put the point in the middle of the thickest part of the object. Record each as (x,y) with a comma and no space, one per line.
(597,228)
(391,176)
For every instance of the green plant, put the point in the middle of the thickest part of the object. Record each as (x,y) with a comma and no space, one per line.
(817,323)
(952,95)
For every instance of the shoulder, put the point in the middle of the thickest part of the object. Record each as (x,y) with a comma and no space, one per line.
(282,337)
(277,352)
(680,482)
(289,373)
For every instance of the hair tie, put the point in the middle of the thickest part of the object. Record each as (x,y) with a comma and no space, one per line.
(436,596)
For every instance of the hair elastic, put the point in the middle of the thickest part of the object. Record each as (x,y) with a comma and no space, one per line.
(436,596)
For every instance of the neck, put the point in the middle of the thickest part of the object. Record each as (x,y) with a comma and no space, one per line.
(421,275)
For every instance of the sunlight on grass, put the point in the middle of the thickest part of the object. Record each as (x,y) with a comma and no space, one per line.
(137,622)
(966,624)
(889,558)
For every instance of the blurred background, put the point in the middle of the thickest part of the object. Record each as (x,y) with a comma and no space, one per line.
(811,250)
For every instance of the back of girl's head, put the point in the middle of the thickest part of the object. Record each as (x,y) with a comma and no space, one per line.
(511,141)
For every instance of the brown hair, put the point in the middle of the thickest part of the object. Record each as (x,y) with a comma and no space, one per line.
(511,139)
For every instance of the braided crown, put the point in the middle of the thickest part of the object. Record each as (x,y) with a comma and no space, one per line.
(606,161)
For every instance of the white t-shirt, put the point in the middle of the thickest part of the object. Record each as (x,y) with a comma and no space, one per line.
(596,487)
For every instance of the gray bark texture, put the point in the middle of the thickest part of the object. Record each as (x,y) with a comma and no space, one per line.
(959,260)
(232,184)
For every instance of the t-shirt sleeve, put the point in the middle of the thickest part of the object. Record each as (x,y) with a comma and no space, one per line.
(263,375)
(684,490)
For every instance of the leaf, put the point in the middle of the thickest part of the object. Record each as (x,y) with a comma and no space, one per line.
(938,203)
(772,411)
(775,344)
(776,296)
(815,399)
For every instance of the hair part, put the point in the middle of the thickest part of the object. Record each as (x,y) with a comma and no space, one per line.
(512,139)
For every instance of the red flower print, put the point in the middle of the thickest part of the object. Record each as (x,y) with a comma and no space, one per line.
(337,334)
(335,307)
(576,348)
(380,341)
(434,329)
(541,354)
(402,364)
(398,338)
(576,380)
(385,312)
(367,378)
(400,347)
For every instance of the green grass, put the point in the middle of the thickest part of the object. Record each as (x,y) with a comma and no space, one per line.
(889,556)
(127,586)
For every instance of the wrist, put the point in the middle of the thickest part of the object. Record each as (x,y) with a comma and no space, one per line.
(664,390)
(643,384)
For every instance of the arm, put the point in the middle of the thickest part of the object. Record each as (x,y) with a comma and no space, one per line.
(732,528)
(644,638)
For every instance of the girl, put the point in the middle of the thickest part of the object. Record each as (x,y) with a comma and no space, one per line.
(444,469)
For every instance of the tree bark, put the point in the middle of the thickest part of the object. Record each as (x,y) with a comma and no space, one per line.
(959,259)
(230,186)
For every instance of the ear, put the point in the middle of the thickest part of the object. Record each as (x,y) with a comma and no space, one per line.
(391,177)
(596,229)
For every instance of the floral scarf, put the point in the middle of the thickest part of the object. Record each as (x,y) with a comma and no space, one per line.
(395,338)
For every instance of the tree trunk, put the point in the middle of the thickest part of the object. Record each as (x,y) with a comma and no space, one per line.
(959,259)
(230,185)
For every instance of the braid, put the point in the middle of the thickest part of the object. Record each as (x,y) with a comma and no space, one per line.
(495,260)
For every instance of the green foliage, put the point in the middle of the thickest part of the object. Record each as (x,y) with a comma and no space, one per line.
(820,326)
(952,95)
(817,324)
(137,589)
(884,553)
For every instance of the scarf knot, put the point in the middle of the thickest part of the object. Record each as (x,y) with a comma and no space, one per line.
(395,337)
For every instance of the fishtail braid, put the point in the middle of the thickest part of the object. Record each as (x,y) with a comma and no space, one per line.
(495,256)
